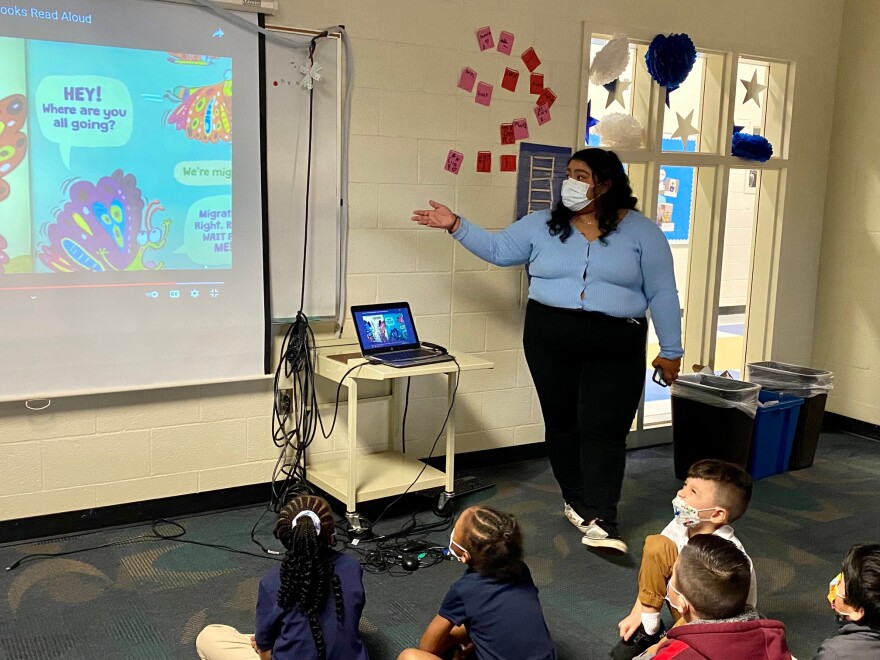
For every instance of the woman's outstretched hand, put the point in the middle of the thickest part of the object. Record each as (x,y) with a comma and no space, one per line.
(438,216)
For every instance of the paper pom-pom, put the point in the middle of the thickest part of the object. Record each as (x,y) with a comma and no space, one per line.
(670,59)
(751,147)
(611,61)
(619,131)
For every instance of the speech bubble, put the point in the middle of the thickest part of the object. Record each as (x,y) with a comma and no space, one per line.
(207,234)
(84,111)
(204,172)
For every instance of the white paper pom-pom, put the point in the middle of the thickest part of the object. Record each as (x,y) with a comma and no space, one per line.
(611,61)
(619,131)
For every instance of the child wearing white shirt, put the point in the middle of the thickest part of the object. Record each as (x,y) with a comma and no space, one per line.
(715,494)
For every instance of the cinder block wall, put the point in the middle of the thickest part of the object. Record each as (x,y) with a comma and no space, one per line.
(407,114)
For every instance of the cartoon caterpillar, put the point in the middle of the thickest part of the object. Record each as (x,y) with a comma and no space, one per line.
(104,227)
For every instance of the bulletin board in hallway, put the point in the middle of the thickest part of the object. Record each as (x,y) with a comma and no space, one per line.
(287,159)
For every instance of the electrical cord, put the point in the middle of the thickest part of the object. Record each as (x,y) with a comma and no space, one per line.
(294,416)
(155,535)
(433,446)
(389,559)
(412,527)
(276,37)
(403,425)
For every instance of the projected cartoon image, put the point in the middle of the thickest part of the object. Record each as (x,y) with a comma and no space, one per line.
(203,113)
(104,227)
(190,59)
(76,113)
(13,142)
(4,258)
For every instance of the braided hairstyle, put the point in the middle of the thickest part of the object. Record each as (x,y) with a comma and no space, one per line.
(493,539)
(607,169)
(307,575)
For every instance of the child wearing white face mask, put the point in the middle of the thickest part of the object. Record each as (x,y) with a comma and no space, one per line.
(855,598)
(715,494)
(708,588)
(493,610)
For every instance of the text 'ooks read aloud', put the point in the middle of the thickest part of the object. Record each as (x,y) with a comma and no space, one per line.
(16,11)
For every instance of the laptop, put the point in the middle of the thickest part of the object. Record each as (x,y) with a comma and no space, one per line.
(387,335)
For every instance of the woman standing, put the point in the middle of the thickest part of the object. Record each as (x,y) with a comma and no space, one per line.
(596,266)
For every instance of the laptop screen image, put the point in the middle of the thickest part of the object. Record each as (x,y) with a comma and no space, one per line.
(383,328)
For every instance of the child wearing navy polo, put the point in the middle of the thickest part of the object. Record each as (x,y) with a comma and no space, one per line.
(493,609)
(310,606)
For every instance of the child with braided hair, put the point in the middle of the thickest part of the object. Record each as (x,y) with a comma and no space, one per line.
(493,610)
(310,606)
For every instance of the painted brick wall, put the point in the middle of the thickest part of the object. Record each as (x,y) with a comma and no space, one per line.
(407,113)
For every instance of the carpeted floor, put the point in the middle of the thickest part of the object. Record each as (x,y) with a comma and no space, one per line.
(148,600)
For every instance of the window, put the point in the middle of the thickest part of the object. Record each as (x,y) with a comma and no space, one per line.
(708,202)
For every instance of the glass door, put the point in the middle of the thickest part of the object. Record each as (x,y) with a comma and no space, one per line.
(721,213)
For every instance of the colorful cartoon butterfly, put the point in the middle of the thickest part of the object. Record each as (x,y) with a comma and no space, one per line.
(13,143)
(188,58)
(203,113)
(104,227)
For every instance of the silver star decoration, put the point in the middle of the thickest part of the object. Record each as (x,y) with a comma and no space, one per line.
(685,128)
(617,94)
(753,89)
(311,73)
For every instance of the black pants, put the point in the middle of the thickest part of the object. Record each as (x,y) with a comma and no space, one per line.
(589,371)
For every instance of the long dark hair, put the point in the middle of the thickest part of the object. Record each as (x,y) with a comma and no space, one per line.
(607,169)
(493,539)
(307,575)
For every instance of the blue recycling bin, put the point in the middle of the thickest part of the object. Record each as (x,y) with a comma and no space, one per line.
(811,385)
(773,433)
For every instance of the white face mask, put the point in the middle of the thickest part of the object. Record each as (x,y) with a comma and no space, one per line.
(678,593)
(833,593)
(574,194)
(452,543)
(686,515)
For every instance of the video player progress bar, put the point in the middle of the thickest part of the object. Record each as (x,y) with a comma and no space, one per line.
(104,286)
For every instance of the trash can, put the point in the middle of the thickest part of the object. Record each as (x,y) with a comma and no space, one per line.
(775,423)
(812,385)
(712,417)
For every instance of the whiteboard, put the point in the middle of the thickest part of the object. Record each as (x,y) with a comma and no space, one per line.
(287,146)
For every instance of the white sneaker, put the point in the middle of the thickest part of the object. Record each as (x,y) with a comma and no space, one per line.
(575,519)
(604,536)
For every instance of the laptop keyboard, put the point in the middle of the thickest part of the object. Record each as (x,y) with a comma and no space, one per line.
(409,355)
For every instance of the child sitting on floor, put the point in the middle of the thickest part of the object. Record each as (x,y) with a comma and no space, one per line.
(493,608)
(715,494)
(855,598)
(309,607)
(709,588)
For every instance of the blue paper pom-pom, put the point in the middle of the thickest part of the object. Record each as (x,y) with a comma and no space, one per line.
(670,59)
(751,147)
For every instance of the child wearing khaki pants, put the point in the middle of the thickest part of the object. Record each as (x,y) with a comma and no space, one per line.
(714,495)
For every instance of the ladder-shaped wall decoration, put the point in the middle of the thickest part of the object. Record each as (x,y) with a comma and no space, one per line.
(540,176)
(541,182)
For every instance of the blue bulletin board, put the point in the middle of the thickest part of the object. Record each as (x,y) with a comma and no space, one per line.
(676,195)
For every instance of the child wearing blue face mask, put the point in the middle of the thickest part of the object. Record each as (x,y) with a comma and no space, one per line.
(855,598)
(715,494)
(493,609)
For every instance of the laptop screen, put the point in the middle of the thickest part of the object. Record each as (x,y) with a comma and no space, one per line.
(384,327)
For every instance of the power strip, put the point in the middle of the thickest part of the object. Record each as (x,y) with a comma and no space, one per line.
(462,486)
